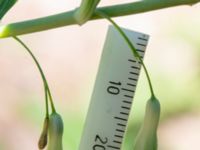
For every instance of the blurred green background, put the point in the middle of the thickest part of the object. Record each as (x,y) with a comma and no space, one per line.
(70,57)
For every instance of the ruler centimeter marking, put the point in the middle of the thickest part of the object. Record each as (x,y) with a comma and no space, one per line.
(113,93)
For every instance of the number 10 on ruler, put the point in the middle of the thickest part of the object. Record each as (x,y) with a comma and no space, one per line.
(113,92)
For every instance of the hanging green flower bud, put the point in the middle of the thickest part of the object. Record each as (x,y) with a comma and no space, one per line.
(147,136)
(5,6)
(43,137)
(55,132)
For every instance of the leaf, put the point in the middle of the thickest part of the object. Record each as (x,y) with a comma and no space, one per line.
(5,6)
(85,11)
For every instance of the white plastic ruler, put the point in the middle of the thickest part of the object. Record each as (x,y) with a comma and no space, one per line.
(113,92)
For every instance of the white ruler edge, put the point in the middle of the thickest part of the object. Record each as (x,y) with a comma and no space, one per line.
(113,93)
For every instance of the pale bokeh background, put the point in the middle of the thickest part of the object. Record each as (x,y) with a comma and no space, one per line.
(70,57)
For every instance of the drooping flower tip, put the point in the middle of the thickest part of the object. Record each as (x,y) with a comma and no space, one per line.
(44,135)
(55,132)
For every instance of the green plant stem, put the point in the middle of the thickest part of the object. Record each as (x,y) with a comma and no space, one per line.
(85,11)
(135,53)
(46,87)
(67,18)
(46,100)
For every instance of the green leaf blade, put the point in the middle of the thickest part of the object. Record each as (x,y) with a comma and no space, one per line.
(5,6)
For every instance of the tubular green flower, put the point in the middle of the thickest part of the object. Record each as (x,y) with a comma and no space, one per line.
(5,6)
(147,136)
(43,137)
(55,132)
(85,11)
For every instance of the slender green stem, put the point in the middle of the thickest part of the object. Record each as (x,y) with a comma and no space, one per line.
(46,101)
(46,86)
(67,18)
(135,53)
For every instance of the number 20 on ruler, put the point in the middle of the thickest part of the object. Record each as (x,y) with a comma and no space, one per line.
(113,92)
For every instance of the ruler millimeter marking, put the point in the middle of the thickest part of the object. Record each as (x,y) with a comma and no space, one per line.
(113,92)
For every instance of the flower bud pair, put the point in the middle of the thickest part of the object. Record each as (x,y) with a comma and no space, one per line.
(53,127)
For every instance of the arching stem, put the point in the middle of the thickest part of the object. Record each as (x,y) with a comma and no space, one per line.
(46,86)
(137,56)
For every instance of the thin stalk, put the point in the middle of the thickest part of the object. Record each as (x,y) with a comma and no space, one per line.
(135,53)
(46,101)
(67,18)
(46,86)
